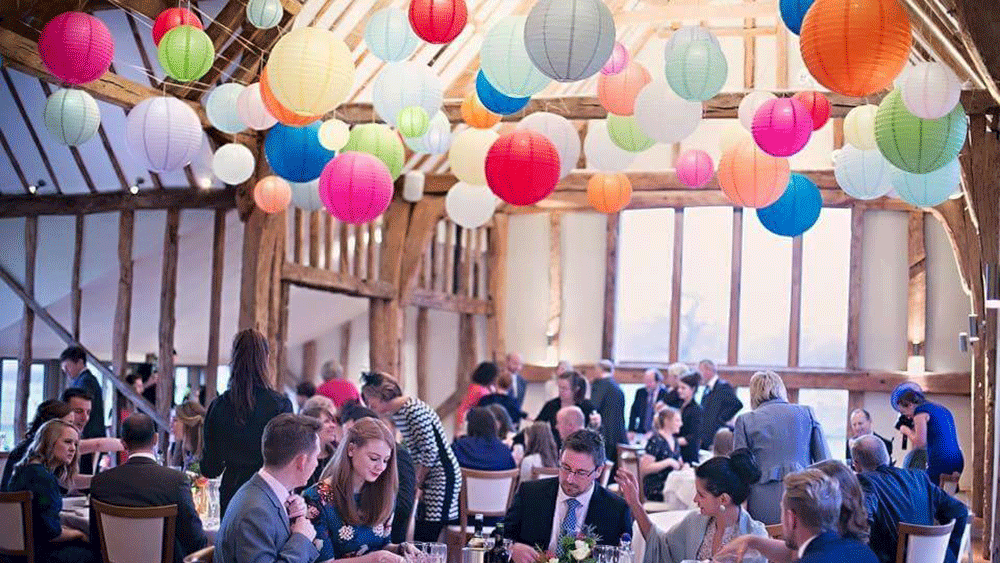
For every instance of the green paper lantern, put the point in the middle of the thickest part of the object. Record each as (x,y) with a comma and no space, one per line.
(186,53)
(918,145)
(379,140)
(413,121)
(625,132)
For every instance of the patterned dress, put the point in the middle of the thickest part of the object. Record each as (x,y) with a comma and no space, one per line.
(424,437)
(660,449)
(336,539)
(705,550)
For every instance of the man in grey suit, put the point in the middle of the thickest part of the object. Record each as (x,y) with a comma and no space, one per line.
(265,522)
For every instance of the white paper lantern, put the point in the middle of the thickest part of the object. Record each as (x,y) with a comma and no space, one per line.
(732,135)
(233,163)
(749,106)
(602,153)
(561,132)
(401,85)
(305,196)
(859,127)
(333,134)
(222,108)
(470,206)
(467,156)
(930,90)
(862,174)
(664,116)
(164,132)
(928,190)
(389,36)
(413,185)
(72,116)
(569,41)
(437,139)
(264,14)
(687,34)
(505,62)
(250,107)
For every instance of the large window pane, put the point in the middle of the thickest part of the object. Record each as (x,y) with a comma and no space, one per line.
(765,294)
(9,385)
(826,262)
(830,406)
(645,271)
(221,379)
(705,278)
(180,384)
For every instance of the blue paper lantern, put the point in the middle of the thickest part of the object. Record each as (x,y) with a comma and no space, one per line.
(792,12)
(495,101)
(795,211)
(295,153)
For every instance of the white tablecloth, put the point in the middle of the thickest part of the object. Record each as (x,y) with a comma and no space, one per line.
(679,490)
(76,515)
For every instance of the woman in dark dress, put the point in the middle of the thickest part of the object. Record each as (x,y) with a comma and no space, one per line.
(690,417)
(236,419)
(663,454)
(46,411)
(934,429)
(572,391)
(480,448)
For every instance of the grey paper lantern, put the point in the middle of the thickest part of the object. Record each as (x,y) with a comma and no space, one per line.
(569,41)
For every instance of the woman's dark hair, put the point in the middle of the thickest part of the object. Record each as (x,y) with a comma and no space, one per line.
(692,380)
(485,373)
(248,368)
(46,411)
(577,383)
(504,424)
(132,377)
(731,475)
(481,423)
(381,385)
(912,397)
(352,411)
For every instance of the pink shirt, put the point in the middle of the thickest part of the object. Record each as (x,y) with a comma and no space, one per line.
(339,391)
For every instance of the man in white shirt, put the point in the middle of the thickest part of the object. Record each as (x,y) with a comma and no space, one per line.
(810,516)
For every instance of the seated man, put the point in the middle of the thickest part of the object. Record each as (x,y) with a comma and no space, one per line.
(547,509)
(894,495)
(861,425)
(256,526)
(810,513)
(568,420)
(142,482)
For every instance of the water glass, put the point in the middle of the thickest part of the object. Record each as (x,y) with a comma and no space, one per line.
(213,502)
(430,552)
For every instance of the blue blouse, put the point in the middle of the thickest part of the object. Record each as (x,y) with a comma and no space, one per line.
(335,538)
(944,454)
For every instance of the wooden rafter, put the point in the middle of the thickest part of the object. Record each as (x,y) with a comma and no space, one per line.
(181,198)
(13,162)
(31,130)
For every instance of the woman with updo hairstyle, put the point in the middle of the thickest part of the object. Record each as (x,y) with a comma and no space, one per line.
(690,417)
(51,409)
(572,391)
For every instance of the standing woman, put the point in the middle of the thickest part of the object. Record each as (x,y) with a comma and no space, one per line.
(572,391)
(687,438)
(439,477)
(933,429)
(235,421)
(481,386)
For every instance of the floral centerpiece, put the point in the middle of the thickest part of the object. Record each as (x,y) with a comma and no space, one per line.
(572,548)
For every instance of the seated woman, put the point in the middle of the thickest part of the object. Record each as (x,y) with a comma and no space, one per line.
(505,428)
(48,468)
(723,483)
(663,454)
(502,397)
(539,449)
(480,448)
(186,427)
(329,435)
(46,411)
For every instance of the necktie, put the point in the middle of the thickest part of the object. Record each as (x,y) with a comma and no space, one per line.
(568,523)
(648,422)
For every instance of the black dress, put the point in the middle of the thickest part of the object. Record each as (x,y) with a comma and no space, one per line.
(659,448)
(46,502)
(551,408)
(690,423)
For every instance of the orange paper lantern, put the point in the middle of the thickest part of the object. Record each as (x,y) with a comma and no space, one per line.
(272,194)
(284,115)
(617,92)
(856,47)
(749,177)
(609,192)
(475,113)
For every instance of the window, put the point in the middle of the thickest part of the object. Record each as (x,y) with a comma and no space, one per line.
(8,389)
(222,379)
(705,280)
(180,384)
(645,274)
(826,263)
(765,295)
(830,406)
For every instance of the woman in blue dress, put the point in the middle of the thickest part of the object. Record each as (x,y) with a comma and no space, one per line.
(934,429)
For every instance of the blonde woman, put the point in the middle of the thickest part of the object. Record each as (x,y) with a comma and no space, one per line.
(662,455)
(186,427)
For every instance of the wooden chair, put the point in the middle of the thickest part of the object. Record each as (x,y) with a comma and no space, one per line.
(923,544)
(628,458)
(606,474)
(544,472)
(950,483)
(15,513)
(201,556)
(489,493)
(775,532)
(120,526)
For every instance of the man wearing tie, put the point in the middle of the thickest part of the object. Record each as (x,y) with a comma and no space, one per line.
(640,420)
(514,366)
(719,403)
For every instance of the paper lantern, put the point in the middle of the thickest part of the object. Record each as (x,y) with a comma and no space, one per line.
(569,41)
(602,153)
(305,196)
(561,132)
(389,36)
(437,139)
(928,190)
(272,194)
(522,167)
(795,211)
(310,71)
(72,116)
(222,108)
(295,153)
(918,145)
(862,174)
(171,18)
(186,53)
(685,35)
(475,115)
(496,101)
(930,90)
(782,127)
(356,187)
(859,127)
(749,106)
(164,133)
(792,13)
(264,14)
(664,116)
(438,21)
(626,133)
(505,62)
(697,70)
(284,115)
(412,121)
(233,163)
(251,109)
(733,134)
(76,47)
(401,85)
(853,47)
(333,134)
(617,61)
(617,92)
(609,192)
(470,206)
(694,168)
(749,177)
(378,140)
(817,105)
(467,156)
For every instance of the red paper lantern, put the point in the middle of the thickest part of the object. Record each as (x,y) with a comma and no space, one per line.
(171,18)
(522,167)
(76,47)
(438,21)
(817,105)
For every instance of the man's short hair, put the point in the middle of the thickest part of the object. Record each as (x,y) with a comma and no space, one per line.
(575,412)
(332,370)
(73,354)
(138,431)
(586,442)
(306,389)
(868,415)
(286,436)
(869,452)
(815,499)
(606,366)
(709,363)
(76,392)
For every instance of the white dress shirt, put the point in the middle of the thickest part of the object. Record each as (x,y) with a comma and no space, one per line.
(560,513)
(805,544)
(279,490)
(146,455)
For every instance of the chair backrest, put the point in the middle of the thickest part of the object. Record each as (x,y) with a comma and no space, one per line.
(950,483)
(486,492)
(121,526)
(538,472)
(15,513)
(628,458)
(606,475)
(923,544)
(775,532)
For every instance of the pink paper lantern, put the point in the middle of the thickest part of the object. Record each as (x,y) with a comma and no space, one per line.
(522,167)
(76,47)
(617,61)
(695,168)
(355,187)
(781,127)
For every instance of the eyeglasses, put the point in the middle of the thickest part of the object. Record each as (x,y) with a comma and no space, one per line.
(579,473)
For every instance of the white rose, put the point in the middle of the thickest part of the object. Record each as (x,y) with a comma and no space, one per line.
(554,560)
(582,550)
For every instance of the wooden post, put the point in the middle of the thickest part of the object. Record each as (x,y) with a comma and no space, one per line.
(345,345)
(309,362)
(276,307)
(123,308)
(497,258)
(281,335)
(344,249)
(262,234)
(610,286)
(854,287)
(168,299)
(314,248)
(359,250)
(795,311)
(372,247)
(298,236)
(555,281)
(27,329)
(916,317)
(449,258)
(675,291)
(328,240)
(423,343)
(75,294)
(735,280)
(385,316)
(215,305)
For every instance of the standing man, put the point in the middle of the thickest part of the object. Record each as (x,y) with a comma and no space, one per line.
(335,387)
(640,420)
(514,366)
(719,403)
(861,425)
(609,401)
(73,361)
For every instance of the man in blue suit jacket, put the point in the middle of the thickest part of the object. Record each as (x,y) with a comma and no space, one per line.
(810,511)
(894,495)
(256,526)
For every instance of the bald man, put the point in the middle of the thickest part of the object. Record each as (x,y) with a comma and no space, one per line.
(514,365)
(568,420)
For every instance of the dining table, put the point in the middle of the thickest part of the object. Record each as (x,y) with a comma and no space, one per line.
(75,514)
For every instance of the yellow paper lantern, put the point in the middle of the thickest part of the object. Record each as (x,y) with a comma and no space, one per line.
(467,156)
(310,71)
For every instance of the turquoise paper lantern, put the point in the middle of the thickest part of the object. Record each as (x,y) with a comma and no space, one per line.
(222,110)
(264,14)
(295,153)
(795,211)
(389,36)
(505,62)
(928,190)
(918,145)
(697,70)
(862,174)
(72,116)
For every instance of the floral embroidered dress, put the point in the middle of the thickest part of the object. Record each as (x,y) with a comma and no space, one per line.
(336,539)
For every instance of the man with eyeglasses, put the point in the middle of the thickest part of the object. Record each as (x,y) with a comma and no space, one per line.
(547,509)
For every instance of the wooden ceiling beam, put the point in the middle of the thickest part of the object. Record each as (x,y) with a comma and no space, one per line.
(979,21)
(31,130)
(179,198)
(13,162)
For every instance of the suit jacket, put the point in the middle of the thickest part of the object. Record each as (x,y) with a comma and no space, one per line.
(828,547)
(784,438)
(529,518)
(894,495)
(518,389)
(141,482)
(609,400)
(719,405)
(682,541)
(255,529)
(637,414)
(691,416)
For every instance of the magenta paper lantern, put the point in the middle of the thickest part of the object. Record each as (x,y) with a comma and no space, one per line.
(781,127)
(355,187)
(522,167)
(76,47)
(617,61)
(695,168)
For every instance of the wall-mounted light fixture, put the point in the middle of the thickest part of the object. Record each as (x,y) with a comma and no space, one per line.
(991,285)
(134,188)
(963,341)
